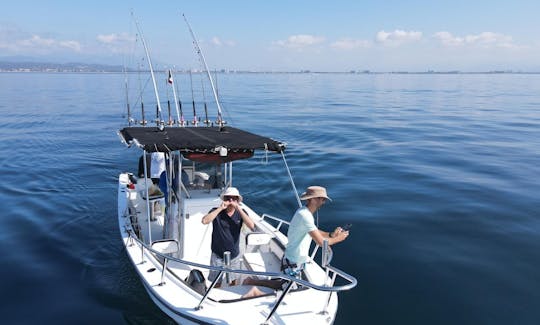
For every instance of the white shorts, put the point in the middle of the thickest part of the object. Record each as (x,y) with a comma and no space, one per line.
(218,261)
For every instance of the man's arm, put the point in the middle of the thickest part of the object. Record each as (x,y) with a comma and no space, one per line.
(247,220)
(212,214)
(337,236)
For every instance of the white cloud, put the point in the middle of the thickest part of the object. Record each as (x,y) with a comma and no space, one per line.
(300,41)
(36,41)
(216,41)
(117,42)
(15,41)
(485,39)
(73,45)
(350,44)
(397,37)
(115,38)
(448,39)
(38,44)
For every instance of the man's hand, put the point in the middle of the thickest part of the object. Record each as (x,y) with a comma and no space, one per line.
(223,205)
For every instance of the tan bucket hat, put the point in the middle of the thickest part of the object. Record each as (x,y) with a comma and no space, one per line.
(314,191)
(231,191)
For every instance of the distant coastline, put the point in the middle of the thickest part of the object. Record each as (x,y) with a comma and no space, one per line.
(23,66)
(47,67)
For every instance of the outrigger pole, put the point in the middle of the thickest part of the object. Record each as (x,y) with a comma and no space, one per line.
(199,52)
(160,115)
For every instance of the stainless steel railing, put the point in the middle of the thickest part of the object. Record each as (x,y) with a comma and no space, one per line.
(332,272)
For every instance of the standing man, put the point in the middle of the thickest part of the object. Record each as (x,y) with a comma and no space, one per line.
(157,166)
(227,221)
(303,229)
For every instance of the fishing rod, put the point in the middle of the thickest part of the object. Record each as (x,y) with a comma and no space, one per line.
(170,80)
(201,56)
(195,122)
(143,121)
(159,119)
(217,91)
(170,121)
(217,85)
(182,121)
(206,121)
(127,96)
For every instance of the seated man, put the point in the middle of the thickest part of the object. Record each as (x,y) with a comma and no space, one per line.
(227,221)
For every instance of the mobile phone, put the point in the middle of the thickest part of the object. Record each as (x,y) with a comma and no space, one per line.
(346,227)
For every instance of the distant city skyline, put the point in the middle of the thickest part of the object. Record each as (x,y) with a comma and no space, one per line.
(281,36)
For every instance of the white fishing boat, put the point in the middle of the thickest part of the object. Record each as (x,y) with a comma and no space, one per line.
(170,247)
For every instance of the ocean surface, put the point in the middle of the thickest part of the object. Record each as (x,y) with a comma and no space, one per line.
(439,175)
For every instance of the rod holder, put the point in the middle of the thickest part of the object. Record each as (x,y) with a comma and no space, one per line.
(325,253)
(227,262)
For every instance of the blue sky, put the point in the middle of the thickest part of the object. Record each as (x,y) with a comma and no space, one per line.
(280,35)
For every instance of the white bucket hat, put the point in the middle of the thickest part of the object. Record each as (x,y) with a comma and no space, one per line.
(313,192)
(231,191)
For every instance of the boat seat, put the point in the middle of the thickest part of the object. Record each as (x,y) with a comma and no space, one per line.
(257,239)
(257,259)
(166,246)
(262,262)
(152,196)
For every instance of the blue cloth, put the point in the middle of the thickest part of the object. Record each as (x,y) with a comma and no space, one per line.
(226,233)
(185,179)
(163,184)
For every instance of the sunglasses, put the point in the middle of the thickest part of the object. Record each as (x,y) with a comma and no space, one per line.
(230,198)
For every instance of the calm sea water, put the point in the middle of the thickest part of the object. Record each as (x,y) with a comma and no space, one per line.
(437,173)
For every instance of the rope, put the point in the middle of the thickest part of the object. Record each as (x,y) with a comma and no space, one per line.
(291,179)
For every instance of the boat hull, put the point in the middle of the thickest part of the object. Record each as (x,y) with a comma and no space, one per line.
(225,305)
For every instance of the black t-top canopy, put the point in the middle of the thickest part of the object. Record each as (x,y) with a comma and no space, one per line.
(198,139)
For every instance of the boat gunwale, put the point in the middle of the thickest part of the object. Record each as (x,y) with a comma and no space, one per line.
(352,280)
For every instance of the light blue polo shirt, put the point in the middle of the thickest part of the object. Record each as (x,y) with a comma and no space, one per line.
(302,223)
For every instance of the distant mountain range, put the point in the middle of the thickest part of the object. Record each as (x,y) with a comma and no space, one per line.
(30,64)
(34,66)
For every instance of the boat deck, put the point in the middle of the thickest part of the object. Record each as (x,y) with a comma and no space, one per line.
(173,294)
